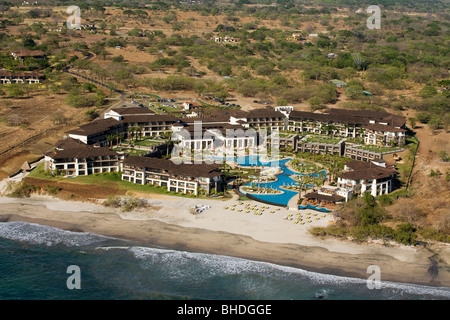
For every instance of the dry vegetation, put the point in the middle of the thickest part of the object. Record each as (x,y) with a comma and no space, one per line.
(29,125)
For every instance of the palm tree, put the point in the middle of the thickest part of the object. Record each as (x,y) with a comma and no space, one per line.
(167,136)
(140,128)
(119,137)
(110,139)
(314,180)
(333,129)
(361,132)
(346,127)
(131,131)
(325,127)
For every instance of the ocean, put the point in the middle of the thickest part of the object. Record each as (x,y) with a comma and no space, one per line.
(35,264)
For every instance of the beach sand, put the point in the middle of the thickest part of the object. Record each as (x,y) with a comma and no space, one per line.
(267,237)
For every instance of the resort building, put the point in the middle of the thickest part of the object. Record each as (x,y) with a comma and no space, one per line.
(337,132)
(287,141)
(20,77)
(373,177)
(319,145)
(188,105)
(357,152)
(181,178)
(97,131)
(265,118)
(285,110)
(120,113)
(211,136)
(330,194)
(371,127)
(226,39)
(148,125)
(23,54)
(128,121)
(74,158)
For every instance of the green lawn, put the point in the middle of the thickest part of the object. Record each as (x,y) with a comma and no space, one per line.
(322,139)
(404,169)
(170,109)
(148,142)
(131,151)
(379,149)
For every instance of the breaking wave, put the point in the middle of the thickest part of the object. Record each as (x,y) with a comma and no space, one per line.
(45,235)
(194,267)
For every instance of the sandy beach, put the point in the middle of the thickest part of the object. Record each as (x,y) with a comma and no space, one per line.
(267,237)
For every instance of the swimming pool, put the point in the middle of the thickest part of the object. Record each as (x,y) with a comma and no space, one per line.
(308,206)
(283,179)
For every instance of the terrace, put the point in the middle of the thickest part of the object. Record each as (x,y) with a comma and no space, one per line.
(377,149)
(321,139)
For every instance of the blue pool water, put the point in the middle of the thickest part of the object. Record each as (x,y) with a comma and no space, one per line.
(308,206)
(283,179)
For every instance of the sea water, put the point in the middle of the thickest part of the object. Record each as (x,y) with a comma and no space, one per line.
(34,263)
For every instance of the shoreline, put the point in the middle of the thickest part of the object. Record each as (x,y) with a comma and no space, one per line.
(247,236)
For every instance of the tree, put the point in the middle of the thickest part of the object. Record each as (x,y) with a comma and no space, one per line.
(118,58)
(423,117)
(131,131)
(405,234)
(140,128)
(359,61)
(119,137)
(110,139)
(427,92)
(354,93)
(326,92)
(370,213)
(315,103)
(91,114)
(15,91)
(28,42)
(435,122)
(167,136)
(413,122)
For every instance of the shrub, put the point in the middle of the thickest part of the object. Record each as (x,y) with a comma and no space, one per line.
(431,234)
(405,234)
(436,173)
(23,190)
(423,117)
(427,92)
(112,201)
(385,200)
(334,231)
(52,189)
(443,155)
(125,204)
